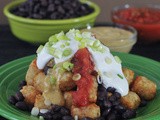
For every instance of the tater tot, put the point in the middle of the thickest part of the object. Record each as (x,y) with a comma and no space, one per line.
(65,82)
(32,71)
(68,99)
(29,93)
(39,81)
(91,110)
(93,91)
(129,74)
(131,100)
(39,102)
(55,97)
(144,87)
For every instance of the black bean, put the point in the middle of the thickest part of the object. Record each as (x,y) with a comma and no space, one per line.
(102,95)
(100,103)
(56,116)
(47,116)
(67,117)
(12,100)
(100,118)
(111,89)
(37,16)
(19,96)
(120,108)
(53,16)
(44,3)
(117,95)
(51,8)
(64,111)
(56,108)
(36,8)
(61,10)
(22,106)
(107,104)
(86,118)
(106,112)
(112,116)
(73,8)
(112,98)
(101,88)
(115,103)
(22,83)
(57,2)
(129,114)
(30,107)
(143,103)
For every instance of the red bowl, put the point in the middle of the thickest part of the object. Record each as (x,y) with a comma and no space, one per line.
(146,19)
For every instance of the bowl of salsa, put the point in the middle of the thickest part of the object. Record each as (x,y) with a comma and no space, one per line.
(146,19)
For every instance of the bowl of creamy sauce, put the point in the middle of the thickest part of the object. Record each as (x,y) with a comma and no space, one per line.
(118,38)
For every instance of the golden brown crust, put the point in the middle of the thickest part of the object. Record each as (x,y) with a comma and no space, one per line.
(131,100)
(68,99)
(93,91)
(144,87)
(55,96)
(39,81)
(91,110)
(32,71)
(29,93)
(39,102)
(129,74)
(65,82)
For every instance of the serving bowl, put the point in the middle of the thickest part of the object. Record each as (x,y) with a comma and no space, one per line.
(146,19)
(119,38)
(38,31)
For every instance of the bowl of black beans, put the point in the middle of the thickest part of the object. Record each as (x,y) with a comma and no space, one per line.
(34,21)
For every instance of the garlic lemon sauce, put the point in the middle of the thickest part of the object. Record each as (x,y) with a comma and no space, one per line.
(116,38)
(62,47)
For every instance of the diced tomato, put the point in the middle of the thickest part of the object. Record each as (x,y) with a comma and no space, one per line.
(84,66)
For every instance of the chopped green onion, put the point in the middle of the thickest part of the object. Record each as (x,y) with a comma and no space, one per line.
(67,52)
(96,43)
(55,66)
(53,39)
(57,53)
(86,34)
(61,70)
(53,80)
(62,36)
(78,36)
(50,50)
(108,60)
(120,76)
(67,43)
(117,59)
(76,77)
(67,66)
(39,49)
(82,44)
(62,46)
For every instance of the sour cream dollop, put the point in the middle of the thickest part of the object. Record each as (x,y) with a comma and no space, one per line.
(62,47)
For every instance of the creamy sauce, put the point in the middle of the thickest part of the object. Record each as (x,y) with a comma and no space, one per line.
(109,69)
(117,39)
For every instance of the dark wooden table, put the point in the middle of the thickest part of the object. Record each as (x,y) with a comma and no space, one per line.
(12,48)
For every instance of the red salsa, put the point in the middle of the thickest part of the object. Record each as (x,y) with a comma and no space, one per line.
(84,66)
(146,20)
(140,15)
